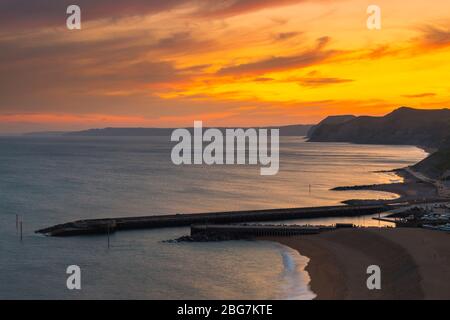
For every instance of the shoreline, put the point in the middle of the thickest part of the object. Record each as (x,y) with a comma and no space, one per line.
(411,189)
(416,260)
(415,263)
(415,186)
(298,280)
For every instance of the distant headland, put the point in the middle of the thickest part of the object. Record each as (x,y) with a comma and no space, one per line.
(403,126)
(288,130)
(428,129)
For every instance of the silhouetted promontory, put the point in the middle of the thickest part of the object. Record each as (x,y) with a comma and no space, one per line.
(289,130)
(427,128)
(405,126)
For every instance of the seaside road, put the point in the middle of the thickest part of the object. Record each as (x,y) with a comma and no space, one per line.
(415,263)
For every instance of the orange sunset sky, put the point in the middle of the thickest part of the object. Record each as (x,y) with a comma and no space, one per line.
(228,63)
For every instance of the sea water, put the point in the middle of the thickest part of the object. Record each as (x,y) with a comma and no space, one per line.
(59,179)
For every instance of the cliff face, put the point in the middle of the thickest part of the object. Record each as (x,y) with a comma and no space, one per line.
(329,121)
(428,128)
(437,165)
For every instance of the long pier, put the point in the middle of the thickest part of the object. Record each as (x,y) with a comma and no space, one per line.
(110,225)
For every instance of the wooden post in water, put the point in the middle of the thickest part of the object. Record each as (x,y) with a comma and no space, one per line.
(108,233)
(21,236)
(17,223)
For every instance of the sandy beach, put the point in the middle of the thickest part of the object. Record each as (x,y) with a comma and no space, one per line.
(415,263)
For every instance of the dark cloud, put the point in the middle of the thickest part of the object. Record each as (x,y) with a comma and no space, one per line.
(236,7)
(195,69)
(436,36)
(301,60)
(38,73)
(315,79)
(318,82)
(380,51)
(420,95)
(322,42)
(44,47)
(36,13)
(22,14)
(275,64)
(431,38)
(286,35)
(75,61)
(263,79)
(144,72)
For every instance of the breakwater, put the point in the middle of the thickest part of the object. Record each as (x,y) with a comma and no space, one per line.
(109,225)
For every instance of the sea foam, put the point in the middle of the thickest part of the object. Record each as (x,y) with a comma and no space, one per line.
(294,278)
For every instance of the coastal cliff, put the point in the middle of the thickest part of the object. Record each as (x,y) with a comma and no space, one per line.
(406,126)
(428,128)
(437,165)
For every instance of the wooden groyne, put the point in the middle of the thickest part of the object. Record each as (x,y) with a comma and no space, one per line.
(109,225)
(219,231)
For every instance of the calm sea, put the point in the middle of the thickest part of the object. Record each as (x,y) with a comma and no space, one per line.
(54,180)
